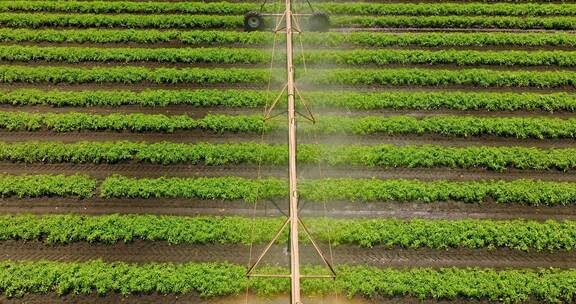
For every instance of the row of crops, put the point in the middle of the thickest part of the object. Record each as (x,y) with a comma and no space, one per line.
(183,72)
(527,192)
(319,77)
(255,56)
(383,155)
(255,99)
(519,127)
(331,39)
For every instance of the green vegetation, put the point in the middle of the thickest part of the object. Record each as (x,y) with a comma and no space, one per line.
(226,8)
(456,100)
(37,20)
(522,127)
(46,185)
(219,279)
(503,22)
(527,192)
(358,39)
(167,21)
(364,77)
(29,74)
(387,156)
(138,122)
(435,77)
(148,98)
(259,56)
(414,233)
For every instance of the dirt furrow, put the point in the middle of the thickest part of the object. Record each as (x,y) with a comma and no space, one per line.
(199,112)
(272,208)
(144,252)
(136,169)
(199,136)
(179,65)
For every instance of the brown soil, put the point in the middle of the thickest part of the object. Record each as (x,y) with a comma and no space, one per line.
(115,298)
(159,251)
(177,44)
(195,136)
(303,87)
(179,65)
(199,112)
(278,207)
(136,169)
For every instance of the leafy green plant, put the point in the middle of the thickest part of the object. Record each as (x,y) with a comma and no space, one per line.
(387,156)
(527,192)
(414,233)
(358,39)
(457,100)
(219,279)
(46,185)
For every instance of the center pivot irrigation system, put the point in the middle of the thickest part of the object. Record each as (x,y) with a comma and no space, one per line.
(289,22)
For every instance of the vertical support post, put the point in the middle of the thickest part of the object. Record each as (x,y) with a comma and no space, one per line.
(294,247)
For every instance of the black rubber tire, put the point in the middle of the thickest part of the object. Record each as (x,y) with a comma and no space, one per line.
(253,21)
(319,22)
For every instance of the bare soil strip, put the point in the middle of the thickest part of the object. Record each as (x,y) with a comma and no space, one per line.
(178,44)
(199,112)
(145,252)
(200,136)
(136,87)
(135,169)
(52,298)
(273,208)
(179,65)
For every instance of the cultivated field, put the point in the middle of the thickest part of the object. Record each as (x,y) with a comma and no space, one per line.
(135,165)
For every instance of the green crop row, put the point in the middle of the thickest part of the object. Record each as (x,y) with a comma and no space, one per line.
(226,8)
(137,122)
(259,56)
(520,127)
(360,39)
(365,77)
(552,23)
(220,279)
(36,20)
(414,233)
(457,57)
(526,192)
(434,77)
(10,74)
(494,158)
(46,185)
(339,99)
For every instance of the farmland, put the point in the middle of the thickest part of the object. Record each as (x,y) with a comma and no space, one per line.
(137,165)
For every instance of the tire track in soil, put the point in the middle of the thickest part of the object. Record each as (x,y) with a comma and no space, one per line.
(160,251)
(188,298)
(178,44)
(156,64)
(279,137)
(450,210)
(142,170)
(136,87)
(200,112)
